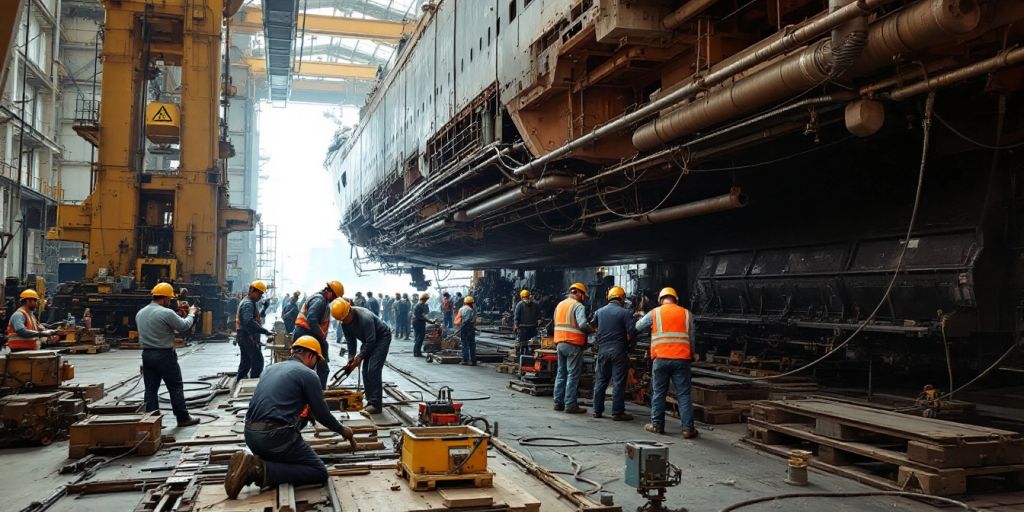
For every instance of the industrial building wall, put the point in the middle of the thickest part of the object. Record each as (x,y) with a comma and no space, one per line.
(243,172)
(30,153)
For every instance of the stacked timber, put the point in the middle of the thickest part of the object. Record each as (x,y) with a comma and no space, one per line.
(888,449)
(79,340)
(719,401)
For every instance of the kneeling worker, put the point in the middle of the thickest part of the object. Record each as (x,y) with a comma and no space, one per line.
(272,425)
(361,324)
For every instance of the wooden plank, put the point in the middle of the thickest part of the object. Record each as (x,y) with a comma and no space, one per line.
(385,491)
(900,425)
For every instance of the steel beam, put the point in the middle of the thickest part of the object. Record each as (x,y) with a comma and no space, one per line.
(251,21)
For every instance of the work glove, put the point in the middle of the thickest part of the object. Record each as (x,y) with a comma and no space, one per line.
(348,434)
(194,310)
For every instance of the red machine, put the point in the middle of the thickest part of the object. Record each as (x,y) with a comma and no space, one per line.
(441,412)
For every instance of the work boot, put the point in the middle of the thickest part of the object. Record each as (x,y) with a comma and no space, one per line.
(598,415)
(373,409)
(188,422)
(622,416)
(575,410)
(690,433)
(559,407)
(654,429)
(472,363)
(463,363)
(244,469)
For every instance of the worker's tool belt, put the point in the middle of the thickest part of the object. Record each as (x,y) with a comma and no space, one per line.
(266,425)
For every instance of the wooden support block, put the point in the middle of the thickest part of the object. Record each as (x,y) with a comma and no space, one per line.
(835,430)
(968,454)
(466,499)
(943,483)
(116,432)
(286,498)
(832,455)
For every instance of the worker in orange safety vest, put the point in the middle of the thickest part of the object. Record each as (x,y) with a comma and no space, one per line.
(315,320)
(24,330)
(571,330)
(670,326)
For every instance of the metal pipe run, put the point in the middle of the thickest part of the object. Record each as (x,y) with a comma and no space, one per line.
(688,11)
(731,201)
(780,43)
(1004,59)
(511,197)
(920,26)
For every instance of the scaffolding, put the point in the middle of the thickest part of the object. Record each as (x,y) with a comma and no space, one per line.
(266,255)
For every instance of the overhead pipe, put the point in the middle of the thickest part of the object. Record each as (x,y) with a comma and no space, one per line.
(863,49)
(780,43)
(1004,59)
(688,11)
(511,197)
(731,201)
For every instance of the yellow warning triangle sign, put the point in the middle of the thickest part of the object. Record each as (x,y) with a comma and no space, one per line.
(162,116)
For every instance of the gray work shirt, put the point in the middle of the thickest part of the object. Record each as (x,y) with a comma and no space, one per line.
(284,390)
(157,325)
(526,314)
(365,326)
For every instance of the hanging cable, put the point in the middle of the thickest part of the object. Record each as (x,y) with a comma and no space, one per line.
(926,125)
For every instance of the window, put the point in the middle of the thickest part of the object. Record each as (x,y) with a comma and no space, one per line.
(511,10)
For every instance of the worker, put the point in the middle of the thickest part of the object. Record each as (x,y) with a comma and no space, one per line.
(459,301)
(386,305)
(315,320)
(402,310)
(273,423)
(24,330)
(524,323)
(372,303)
(361,324)
(670,325)
(359,300)
(465,321)
(249,327)
(290,312)
(614,332)
(571,330)
(419,324)
(394,314)
(447,310)
(157,324)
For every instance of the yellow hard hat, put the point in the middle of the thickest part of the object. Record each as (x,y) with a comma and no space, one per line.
(579,286)
(28,294)
(162,290)
(340,308)
(336,287)
(468,300)
(524,294)
(309,343)
(259,285)
(425,296)
(668,291)
(616,292)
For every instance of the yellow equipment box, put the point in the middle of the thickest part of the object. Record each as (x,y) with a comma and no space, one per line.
(453,450)
(40,369)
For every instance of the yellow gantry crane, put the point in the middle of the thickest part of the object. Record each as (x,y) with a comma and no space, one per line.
(143,225)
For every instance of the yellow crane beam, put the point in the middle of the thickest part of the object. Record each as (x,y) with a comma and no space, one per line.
(251,20)
(258,67)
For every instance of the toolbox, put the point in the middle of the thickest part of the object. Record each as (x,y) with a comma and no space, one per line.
(441,450)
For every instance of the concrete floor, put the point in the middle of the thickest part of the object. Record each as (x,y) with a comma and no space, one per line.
(717,469)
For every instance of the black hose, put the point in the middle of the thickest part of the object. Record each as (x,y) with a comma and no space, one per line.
(901,494)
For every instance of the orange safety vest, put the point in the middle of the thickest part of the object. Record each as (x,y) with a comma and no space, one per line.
(566,329)
(670,332)
(238,313)
(325,322)
(16,342)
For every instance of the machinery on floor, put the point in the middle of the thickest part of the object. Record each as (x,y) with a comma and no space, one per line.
(649,471)
(149,218)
